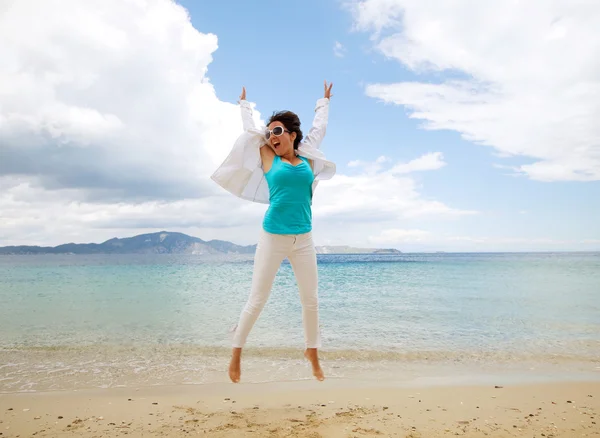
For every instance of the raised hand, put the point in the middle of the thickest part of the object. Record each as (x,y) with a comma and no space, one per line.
(328,90)
(243,95)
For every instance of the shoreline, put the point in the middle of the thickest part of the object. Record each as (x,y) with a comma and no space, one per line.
(48,369)
(38,374)
(333,408)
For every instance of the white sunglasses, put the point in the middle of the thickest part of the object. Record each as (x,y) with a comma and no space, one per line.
(276,131)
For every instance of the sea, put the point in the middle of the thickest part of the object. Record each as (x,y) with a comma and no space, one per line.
(100,321)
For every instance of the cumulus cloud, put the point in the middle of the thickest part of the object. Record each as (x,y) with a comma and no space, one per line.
(368,166)
(111,98)
(431,161)
(378,197)
(521,77)
(32,215)
(339,50)
(108,122)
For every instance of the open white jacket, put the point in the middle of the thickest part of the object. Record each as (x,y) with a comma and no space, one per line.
(241,173)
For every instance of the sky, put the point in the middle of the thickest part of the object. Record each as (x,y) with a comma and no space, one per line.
(455,125)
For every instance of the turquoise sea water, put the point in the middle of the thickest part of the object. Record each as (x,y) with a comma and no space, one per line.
(103,320)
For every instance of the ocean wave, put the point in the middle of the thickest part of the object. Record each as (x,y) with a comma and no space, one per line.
(181,351)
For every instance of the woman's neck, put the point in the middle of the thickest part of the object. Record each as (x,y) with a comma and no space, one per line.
(289,156)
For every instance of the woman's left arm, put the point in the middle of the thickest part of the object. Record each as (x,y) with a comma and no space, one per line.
(319,127)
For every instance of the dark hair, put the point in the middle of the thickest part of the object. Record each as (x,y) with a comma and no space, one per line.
(291,122)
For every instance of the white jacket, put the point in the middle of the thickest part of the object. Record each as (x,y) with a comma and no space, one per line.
(241,173)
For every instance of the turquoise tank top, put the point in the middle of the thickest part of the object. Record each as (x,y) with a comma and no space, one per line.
(290,196)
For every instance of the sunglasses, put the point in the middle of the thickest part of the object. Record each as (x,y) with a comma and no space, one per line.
(276,131)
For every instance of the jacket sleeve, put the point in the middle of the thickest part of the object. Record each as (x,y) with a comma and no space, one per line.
(241,172)
(246,110)
(319,127)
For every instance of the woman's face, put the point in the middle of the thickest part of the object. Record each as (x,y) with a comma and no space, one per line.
(282,144)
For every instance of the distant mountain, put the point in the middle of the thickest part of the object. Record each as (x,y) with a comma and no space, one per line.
(163,242)
(166,242)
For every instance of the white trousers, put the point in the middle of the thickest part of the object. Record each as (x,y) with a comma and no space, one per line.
(271,250)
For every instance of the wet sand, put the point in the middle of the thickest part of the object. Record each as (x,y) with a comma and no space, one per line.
(334,408)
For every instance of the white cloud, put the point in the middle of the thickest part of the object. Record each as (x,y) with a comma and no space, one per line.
(377,14)
(377,197)
(110,98)
(31,215)
(431,161)
(397,237)
(523,78)
(108,122)
(339,50)
(346,209)
(368,166)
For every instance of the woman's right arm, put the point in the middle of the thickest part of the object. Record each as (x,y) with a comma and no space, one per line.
(246,109)
(266,153)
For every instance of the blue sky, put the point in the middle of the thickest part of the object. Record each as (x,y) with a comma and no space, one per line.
(393,60)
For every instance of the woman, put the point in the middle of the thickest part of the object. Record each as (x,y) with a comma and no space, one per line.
(277,166)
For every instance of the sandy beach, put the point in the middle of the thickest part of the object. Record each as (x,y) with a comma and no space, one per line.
(334,408)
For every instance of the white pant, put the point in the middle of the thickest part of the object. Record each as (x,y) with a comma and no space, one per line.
(271,250)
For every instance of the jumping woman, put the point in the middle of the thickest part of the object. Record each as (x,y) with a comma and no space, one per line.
(278,166)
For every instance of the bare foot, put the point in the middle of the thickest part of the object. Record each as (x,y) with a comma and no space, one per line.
(313,357)
(235,366)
